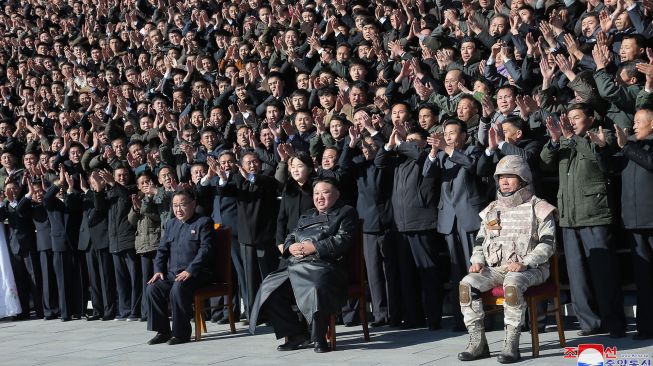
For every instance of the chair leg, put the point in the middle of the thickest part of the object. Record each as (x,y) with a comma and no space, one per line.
(230,312)
(332,332)
(202,318)
(532,309)
(559,323)
(198,318)
(362,304)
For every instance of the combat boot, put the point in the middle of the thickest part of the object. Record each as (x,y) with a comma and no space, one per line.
(510,352)
(477,347)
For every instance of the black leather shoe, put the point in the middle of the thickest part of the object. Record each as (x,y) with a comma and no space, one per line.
(93,317)
(615,334)
(50,317)
(293,343)
(322,346)
(435,326)
(406,325)
(639,336)
(588,332)
(159,338)
(107,318)
(223,321)
(66,319)
(174,340)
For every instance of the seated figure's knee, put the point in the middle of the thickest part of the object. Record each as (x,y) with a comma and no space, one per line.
(511,295)
(467,293)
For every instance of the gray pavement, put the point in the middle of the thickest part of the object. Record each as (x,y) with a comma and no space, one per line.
(40,342)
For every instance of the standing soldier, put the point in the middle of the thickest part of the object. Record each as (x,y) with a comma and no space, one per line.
(512,248)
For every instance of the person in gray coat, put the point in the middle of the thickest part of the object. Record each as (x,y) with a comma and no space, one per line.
(462,196)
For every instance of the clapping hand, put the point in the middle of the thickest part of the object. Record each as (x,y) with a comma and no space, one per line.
(597,138)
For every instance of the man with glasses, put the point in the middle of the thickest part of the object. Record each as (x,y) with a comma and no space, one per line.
(182,265)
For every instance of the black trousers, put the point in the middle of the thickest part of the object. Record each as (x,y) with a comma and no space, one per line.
(420,277)
(76,282)
(102,282)
(642,244)
(380,251)
(27,272)
(593,278)
(460,244)
(258,263)
(62,265)
(128,282)
(180,297)
(287,322)
(49,292)
(147,271)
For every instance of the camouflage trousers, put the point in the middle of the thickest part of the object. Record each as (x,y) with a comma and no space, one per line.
(514,286)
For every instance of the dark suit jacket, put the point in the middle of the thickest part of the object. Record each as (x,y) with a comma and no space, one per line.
(462,195)
(186,246)
(93,231)
(21,229)
(257,208)
(64,218)
(39,216)
(414,195)
(374,185)
(116,203)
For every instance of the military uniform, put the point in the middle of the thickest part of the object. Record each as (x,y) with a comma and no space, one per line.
(516,228)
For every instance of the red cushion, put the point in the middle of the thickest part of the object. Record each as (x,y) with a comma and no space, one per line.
(543,289)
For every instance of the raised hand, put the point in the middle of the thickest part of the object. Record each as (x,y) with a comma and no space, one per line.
(597,138)
(554,130)
(437,142)
(136,202)
(488,106)
(354,136)
(565,126)
(622,135)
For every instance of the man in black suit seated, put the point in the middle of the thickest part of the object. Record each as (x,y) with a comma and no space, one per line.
(182,265)
(315,278)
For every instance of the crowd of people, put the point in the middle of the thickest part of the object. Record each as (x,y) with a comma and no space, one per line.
(110,108)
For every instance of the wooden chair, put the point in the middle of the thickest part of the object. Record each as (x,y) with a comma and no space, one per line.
(222,285)
(356,289)
(549,290)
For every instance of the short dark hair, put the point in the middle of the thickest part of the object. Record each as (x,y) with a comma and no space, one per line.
(516,121)
(184,192)
(455,121)
(328,180)
(586,108)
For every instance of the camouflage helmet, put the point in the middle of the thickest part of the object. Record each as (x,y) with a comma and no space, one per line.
(514,164)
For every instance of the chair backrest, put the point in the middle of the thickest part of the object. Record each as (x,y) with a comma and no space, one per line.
(222,255)
(355,260)
(554,274)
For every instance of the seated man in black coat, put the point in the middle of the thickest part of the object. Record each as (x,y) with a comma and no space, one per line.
(182,265)
(315,279)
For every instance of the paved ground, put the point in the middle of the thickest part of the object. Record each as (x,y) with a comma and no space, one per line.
(39,342)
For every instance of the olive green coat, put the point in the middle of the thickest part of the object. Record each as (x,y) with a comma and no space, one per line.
(583,196)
